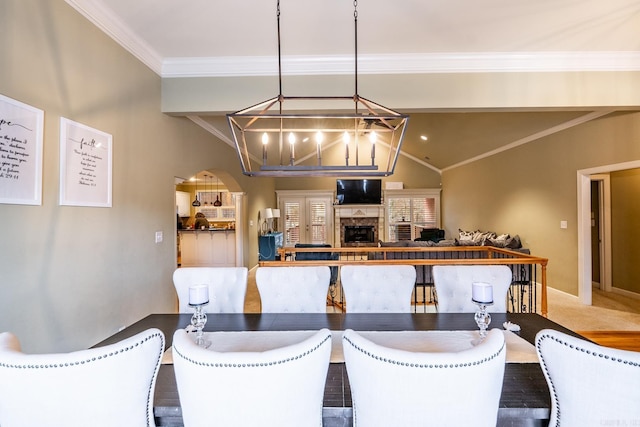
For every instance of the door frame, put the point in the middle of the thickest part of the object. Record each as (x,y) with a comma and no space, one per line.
(584,224)
(305,197)
(604,206)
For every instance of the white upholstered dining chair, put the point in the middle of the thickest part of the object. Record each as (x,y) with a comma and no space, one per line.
(105,386)
(392,387)
(227,287)
(590,385)
(282,387)
(378,288)
(293,289)
(453,284)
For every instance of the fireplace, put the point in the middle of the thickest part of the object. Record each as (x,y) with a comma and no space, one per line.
(356,232)
(359,234)
(358,225)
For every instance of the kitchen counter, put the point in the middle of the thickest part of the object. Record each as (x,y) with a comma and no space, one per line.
(206,229)
(213,247)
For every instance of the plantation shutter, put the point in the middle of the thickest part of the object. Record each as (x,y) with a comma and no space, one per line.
(318,221)
(291,223)
(408,215)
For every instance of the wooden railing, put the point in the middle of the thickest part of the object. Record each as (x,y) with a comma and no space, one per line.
(528,270)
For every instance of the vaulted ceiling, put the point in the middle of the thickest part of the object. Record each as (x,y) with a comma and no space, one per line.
(417,51)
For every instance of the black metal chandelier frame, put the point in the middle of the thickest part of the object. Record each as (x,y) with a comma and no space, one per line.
(364,122)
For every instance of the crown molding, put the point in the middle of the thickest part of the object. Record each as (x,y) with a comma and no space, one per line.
(111,25)
(417,63)
(404,63)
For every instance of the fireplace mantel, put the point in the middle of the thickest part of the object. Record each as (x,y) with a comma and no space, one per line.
(359,211)
(358,215)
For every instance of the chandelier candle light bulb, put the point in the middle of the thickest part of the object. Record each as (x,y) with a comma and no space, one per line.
(319,147)
(373,137)
(345,139)
(265,141)
(292,141)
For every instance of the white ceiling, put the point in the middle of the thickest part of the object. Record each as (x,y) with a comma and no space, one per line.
(214,37)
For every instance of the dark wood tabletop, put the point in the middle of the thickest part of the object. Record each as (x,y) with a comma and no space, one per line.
(525,399)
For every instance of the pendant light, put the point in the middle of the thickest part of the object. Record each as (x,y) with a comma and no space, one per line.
(206,192)
(217,202)
(196,202)
(331,119)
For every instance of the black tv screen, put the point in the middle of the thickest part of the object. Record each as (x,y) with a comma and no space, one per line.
(359,191)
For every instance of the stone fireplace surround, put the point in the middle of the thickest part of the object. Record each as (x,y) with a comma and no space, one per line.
(358,215)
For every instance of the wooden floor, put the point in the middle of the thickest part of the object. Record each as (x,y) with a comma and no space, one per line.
(624,340)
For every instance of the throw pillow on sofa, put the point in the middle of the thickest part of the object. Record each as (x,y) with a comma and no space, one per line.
(464,236)
(474,238)
(507,242)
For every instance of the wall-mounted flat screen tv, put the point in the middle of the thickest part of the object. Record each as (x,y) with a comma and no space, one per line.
(359,191)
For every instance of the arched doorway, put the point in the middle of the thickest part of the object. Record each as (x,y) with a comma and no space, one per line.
(215,197)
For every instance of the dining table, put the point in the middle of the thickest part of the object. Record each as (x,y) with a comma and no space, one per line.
(525,398)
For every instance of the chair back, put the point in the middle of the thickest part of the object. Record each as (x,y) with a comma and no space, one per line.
(378,288)
(319,256)
(281,387)
(392,387)
(589,384)
(293,289)
(105,386)
(227,287)
(453,285)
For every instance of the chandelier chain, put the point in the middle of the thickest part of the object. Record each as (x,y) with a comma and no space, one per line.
(279,55)
(355,26)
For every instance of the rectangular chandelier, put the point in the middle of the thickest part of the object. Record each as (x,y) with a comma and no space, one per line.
(363,142)
(342,136)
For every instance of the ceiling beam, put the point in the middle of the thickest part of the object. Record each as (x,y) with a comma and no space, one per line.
(554,129)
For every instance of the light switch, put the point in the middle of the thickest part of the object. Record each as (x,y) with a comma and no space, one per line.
(563,224)
(159,237)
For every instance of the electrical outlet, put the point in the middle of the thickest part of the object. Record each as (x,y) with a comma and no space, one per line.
(159,237)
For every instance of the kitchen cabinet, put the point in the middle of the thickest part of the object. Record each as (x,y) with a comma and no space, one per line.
(208,248)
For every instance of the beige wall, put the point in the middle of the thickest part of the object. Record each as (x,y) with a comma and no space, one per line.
(528,190)
(625,233)
(71,276)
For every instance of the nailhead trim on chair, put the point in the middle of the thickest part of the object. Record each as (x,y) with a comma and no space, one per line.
(253,365)
(430,365)
(79,362)
(573,347)
(100,357)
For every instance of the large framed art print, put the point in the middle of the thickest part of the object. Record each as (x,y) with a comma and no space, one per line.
(85,165)
(21,137)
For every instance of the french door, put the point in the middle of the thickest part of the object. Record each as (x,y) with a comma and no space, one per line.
(307,219)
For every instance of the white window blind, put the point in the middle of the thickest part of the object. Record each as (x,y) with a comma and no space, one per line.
(291,223)
(318,221)
(408,215)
